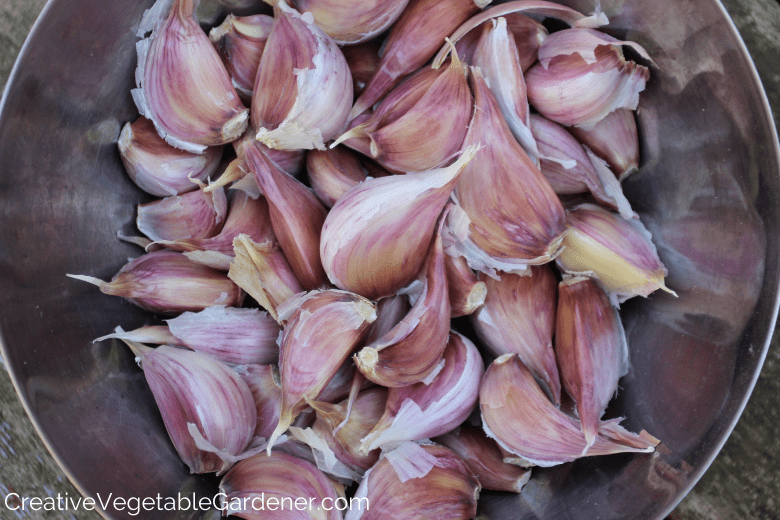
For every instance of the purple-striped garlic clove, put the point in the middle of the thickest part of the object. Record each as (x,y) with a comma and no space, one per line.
(363,60)
(333,172)
(284,479)
(522,420)
(485,459)
(582,76)
(207,409)
(435,407)
(467,292)
(168,282)
(591,349)
(417,482)
(297,216)
(619,252)
(303,89)
(194,215)
(615,140)
(375,237)
(240,41)
(342,384)
(507,216)
(413,40)
(518,317)
(159,168)
(422,128)
(352,21)
(322,330)
(183,86)
(572,169)
(266,387)
(412,350)
(389,311)
(263,272)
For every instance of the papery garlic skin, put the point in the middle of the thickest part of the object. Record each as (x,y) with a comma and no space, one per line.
(183,86)
(285,478)
(167,282)
(303,89)
(427,409)
(591,349)
(374,239)
(619,252)
(191,388)
(157,167)
(194,215)
(352,21)
(615,140)
(518,316)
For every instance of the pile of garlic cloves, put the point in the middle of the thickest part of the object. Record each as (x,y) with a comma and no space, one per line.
(337,182)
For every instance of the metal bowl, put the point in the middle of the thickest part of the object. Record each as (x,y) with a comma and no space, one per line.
(708,190)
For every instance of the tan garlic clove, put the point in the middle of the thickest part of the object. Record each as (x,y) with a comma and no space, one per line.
(417,482)
(167,282)
(240,41)
(157,167)
(323,328)
(582,76)
(412,350)
(572,169)
(194,215)
(508,216)
(414,134)
(619,252)
(467,292)
(591,349)
(413,40)
(363,60)
(198,395)
(352,21)
(615,140)
(374,239)
(279,481)
(485,459)
(333,172)
(435,407)
(263,272)
(266,388)
(520,417)
(183,86)
(303,89)
(518,317)
(297,216)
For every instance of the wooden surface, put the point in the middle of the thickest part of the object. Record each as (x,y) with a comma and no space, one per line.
(742,484)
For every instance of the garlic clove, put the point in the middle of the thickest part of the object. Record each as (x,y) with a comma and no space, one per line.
(193,215)
(413,40)
(240,41)
(511,216)
(417,482)
(333,172)
(157,167)
(363,60)
(352,21)
(297,216)
(581,79)
(528,35)
(167,282)
(192,389)
(183,86)
(412,350)
(389,311)
(591,349)
(374,239)
(467,292)
(571,169)
(323,327)
(263,272)
(266,388)
(485,459)
(435,407)
(281,479)
(522,420)
(615,140)
(518,317)
(303,89)
(619,252)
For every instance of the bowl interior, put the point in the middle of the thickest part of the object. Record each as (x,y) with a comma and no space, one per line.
(707,190)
